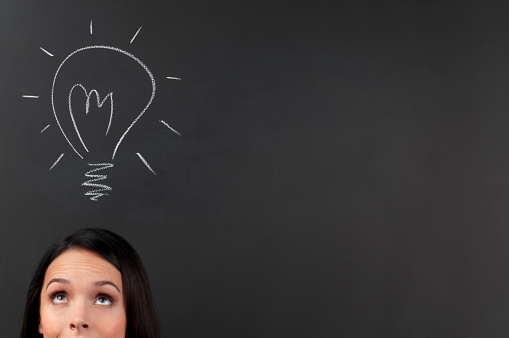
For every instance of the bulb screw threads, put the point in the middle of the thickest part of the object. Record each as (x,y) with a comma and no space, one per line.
(99,189)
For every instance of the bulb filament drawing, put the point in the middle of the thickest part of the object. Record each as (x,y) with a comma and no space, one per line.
(87,108)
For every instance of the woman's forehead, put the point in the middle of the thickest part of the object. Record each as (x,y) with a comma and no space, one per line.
(81,263)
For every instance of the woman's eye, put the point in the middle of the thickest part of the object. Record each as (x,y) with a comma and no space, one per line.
(59,298)
(104,300)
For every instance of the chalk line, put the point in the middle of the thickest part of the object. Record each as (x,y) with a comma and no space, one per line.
(167,125)
(54,164)
(90,26)
(30,96)
(45,51)
(145,163)
(101,188)
(152,80)
(135,35)
(42,131)
(87,108)
(173,78)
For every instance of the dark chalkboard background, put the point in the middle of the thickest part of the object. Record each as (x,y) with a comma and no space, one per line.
(343,169)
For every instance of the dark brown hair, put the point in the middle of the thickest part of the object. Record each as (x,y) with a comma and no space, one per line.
(141,316)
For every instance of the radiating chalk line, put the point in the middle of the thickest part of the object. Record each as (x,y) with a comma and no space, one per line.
(167,125)
(145,163)
(42,131)
(173,78)
(54,164)
(87,108)
(90,26)
(30,96)
(101,188)
(132,123)
(45,51)
(136,34)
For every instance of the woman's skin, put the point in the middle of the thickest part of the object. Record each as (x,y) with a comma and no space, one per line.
(82,297)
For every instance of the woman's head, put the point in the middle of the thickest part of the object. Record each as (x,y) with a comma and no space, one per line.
(91,281)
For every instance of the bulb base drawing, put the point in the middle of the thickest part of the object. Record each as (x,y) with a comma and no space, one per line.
(98,189)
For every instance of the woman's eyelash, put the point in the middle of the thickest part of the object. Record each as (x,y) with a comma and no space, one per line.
(55,294)
(106,297)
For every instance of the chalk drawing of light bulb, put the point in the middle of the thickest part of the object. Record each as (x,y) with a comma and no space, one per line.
(94,64)
(98,94)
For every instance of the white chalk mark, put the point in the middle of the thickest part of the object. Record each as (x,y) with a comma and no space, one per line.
(100,188)
(145,163)
(87,108)
(136,34)
(54,164)
(42,131)
(90,26)
(45,51)
(173,78)
(132,123)
(167,125)
(30,96)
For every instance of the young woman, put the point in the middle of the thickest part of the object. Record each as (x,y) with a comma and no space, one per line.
(91,283)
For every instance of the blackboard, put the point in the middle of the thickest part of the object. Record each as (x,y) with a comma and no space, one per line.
(304,168)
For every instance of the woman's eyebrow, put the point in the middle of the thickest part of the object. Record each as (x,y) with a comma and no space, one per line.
(106,282)
(58,280)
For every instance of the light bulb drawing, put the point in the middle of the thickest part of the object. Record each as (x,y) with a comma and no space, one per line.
(68,96)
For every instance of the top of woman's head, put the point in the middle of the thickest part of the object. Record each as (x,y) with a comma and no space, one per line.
(140,313)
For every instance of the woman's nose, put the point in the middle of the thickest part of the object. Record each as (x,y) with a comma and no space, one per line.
(80,320)
(79,324)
